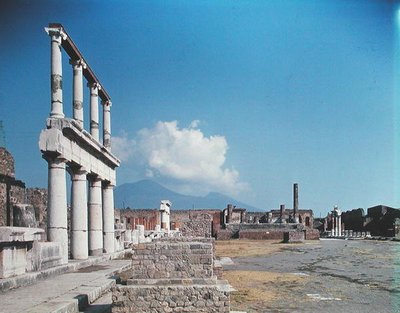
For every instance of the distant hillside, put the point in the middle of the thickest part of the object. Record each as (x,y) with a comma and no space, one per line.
(147,194)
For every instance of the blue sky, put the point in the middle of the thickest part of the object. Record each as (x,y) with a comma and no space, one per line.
(240,97)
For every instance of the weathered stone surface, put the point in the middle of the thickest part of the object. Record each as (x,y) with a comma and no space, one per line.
(24,215)
(6,163)
(12,260)
(37,197)
(198,225)
(14,244)
(293,236)
(172,259)
(160,299)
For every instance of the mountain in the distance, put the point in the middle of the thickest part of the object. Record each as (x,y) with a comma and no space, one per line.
(147,194)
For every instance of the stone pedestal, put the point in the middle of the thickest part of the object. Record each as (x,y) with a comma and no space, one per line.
(14,245)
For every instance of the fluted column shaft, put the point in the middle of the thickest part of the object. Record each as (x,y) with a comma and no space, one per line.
(108,218)
(57,205)
(79,215)
(95,217)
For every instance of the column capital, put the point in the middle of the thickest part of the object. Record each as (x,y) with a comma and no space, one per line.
(94,85)
(53,158)
(94,178)
(79,62)
(107,185)
(106,103)
(77,170)
(53,31)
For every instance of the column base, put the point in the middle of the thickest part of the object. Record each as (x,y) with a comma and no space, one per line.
(108,240)
(79,245)
(59,234)
(97,252)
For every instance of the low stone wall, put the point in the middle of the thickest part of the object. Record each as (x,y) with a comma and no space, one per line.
(160,299)
(273,234)
(293,236)
(224,234)
(312,234)
(172,259)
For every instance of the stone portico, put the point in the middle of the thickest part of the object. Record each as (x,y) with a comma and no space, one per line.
(68,147)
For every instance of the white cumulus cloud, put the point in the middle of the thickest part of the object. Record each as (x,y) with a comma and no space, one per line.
(182,154)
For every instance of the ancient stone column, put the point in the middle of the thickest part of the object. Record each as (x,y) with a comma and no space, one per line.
(108,218)
(340,225)
(107,124)
(295,203)
(95,217)
(333,224)
(282,213)
(94,110)
(79,215)
(165,214)
(337,226)
(77,97)
(57,205)
(56,72)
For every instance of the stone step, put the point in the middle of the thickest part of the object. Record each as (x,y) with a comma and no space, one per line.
(56,306)
(101,305)
(73,292)
(81,299)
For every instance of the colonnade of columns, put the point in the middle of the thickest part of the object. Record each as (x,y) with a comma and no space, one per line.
(336,230)
(92,198)
(94,87)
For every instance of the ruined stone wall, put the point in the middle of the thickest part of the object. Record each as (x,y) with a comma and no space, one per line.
(262,231)
(273,234)
(179,217)
(172,259)
(12,191)
(6,163)
(17,193)
(132,217)
(198,225)
(37,197)
(3,204)
(293,236)
(160,299)
(224,234)
(236,217)
(312,234)
(354,219)
(255,217)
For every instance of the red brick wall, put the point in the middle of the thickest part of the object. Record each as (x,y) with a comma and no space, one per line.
(312,234)
(262,234)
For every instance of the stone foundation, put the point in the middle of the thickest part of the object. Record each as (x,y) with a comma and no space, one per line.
(160,299)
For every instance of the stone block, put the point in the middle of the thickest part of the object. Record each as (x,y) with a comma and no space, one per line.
(44,255)
(12,260)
